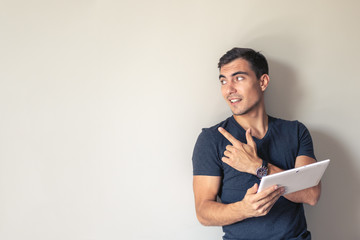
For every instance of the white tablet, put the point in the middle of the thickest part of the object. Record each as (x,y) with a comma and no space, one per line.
(297,178)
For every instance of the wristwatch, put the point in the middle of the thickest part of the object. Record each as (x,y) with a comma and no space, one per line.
(262,171)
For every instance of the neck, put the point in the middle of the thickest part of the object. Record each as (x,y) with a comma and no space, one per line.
(258,122)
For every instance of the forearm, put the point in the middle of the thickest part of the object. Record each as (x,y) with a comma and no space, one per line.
(309,196)
(212,213)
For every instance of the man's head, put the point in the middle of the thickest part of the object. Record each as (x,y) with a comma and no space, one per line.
(256,60)
(243,77)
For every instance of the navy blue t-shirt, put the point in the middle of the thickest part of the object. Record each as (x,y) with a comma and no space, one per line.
(283,142)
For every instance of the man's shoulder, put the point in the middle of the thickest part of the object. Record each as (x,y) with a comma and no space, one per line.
(214,129)
(279,122)
(212,133)
(287,127)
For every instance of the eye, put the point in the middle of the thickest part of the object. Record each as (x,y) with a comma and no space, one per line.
(239,78)
(223,82)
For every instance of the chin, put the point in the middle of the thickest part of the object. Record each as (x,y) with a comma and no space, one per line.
(240,112)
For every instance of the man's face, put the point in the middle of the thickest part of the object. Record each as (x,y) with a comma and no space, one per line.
(240,87)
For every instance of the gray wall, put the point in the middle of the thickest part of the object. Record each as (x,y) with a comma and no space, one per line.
(101,103)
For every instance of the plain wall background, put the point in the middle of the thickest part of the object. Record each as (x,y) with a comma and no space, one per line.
(101,103)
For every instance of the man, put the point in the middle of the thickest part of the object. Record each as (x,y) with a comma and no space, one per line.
(230,158)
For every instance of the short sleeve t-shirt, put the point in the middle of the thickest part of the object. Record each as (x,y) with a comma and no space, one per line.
(283,142)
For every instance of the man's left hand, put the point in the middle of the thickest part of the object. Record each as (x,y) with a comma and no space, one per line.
(243,157)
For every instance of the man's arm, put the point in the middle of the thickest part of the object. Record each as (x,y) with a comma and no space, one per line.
(310,195)
(212,213)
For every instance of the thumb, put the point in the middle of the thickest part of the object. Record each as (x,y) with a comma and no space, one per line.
(253,189)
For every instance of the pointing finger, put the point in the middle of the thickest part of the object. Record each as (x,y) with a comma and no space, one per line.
(228,136)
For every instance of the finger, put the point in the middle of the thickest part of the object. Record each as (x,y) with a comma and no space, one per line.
(267,203)
(253,189)
(250,139)
(266,192)
(274,200)
(227,153)
(273,195)
(270,203)
(266,208)
(226,160)
(228,136)
(230,148)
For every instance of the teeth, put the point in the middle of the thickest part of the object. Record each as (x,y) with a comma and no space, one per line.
(234,100)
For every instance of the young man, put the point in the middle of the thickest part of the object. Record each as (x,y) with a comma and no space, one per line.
(230,158)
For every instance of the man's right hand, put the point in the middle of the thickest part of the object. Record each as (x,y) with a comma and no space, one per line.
(259,204)
(213,213)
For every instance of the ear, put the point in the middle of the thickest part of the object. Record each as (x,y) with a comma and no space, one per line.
(264,82)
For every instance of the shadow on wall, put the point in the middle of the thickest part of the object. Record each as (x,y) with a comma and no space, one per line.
(283,93)
(336,215)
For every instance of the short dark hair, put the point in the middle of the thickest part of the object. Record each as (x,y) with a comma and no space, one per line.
(256,60)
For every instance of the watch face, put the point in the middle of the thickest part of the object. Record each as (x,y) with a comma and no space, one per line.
(261,172)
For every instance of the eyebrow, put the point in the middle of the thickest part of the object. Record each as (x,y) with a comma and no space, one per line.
(234,74)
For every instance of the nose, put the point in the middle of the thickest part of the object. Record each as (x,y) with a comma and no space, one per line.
(230,88)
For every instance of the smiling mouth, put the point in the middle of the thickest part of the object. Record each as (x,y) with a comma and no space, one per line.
(234,100)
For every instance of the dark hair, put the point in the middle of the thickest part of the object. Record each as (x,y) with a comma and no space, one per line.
(256,60)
